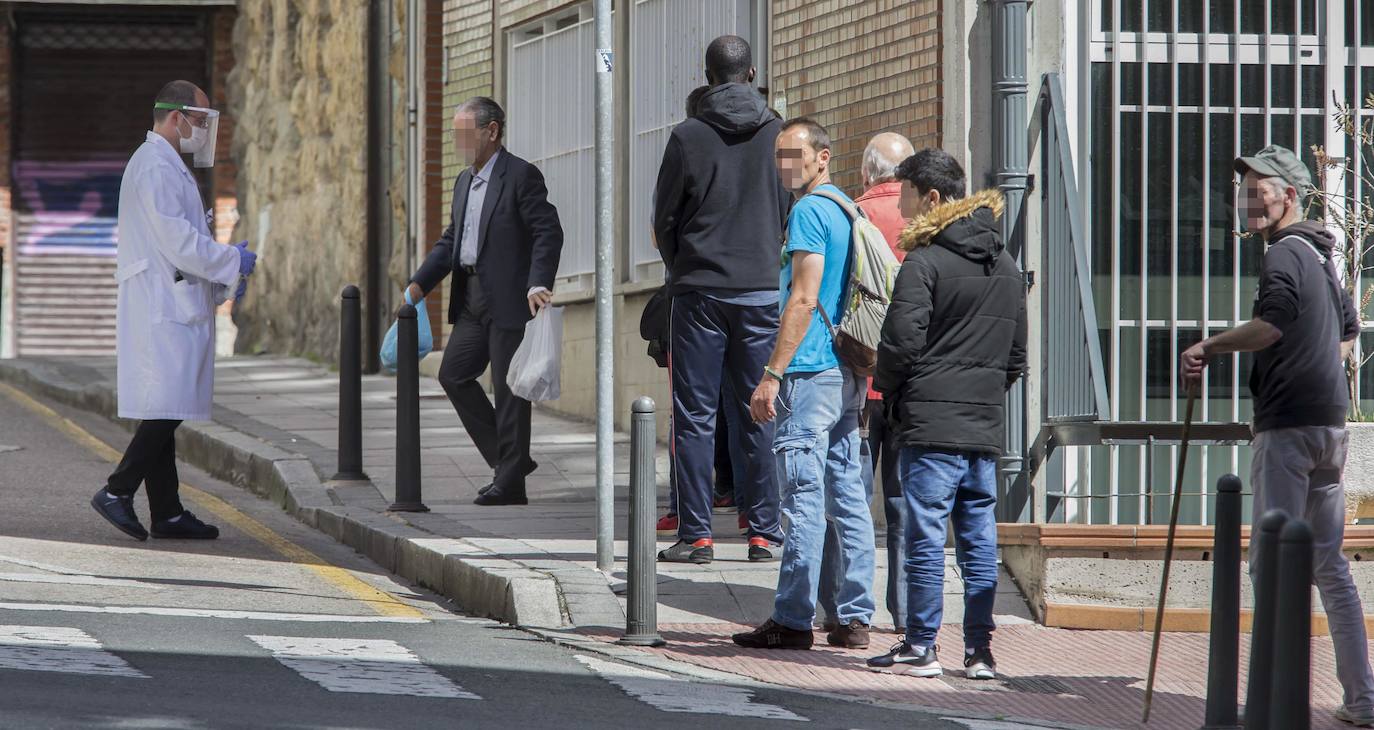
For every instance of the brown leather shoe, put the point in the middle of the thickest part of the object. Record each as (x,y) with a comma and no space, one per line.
(853,635)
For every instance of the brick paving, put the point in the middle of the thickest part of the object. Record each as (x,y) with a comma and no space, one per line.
(1086,678)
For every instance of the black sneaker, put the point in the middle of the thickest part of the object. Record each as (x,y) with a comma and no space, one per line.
(773,635)
(903,659)
(186,527)
(758,550)
(700,552)
(980,664)
(119,511)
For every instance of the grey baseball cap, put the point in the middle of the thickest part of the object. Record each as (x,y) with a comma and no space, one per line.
(1277,161)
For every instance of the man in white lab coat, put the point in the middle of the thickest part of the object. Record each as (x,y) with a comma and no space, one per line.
(171,276)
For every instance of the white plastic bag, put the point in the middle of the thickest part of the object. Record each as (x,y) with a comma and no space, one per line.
(534,370)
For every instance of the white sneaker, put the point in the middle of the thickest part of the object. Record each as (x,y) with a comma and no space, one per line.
(1362,719)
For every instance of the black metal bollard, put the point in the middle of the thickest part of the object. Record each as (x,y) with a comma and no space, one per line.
(408,414)
(350,387)
(1223,660)
(1264,559)
(1290,696)
(641,616)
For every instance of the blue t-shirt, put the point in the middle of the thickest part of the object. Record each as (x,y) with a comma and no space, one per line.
(819,226)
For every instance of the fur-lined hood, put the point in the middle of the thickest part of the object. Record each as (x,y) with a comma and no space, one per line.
(967,226)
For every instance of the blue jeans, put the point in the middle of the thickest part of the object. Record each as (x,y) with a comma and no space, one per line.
(940,485)
(817,454)
(878,451)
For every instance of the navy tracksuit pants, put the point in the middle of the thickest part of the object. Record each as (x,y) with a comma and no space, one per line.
(712,341)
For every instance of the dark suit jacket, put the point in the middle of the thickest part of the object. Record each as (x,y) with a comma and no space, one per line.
(518,243)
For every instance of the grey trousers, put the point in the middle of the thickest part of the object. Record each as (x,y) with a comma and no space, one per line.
(1298,470)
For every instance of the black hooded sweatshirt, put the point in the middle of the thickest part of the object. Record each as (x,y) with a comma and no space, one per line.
(954,339)
(1299,380)
(719,206)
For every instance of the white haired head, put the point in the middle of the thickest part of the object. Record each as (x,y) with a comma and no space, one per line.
(882,156)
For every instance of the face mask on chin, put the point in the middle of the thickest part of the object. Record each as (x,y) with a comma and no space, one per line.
(1268,231)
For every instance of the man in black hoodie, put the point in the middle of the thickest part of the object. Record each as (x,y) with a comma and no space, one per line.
(953,342)
(1303,327)
(719,210)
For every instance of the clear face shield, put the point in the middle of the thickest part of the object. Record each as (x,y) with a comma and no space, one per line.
(203,126)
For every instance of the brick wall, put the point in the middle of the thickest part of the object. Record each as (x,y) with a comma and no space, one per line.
(860,67)
(433,139)
(6,84)
(467,43)
(466,48)
(224,185)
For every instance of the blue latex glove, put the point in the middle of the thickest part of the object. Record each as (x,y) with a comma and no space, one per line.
(243,287)
(247,259)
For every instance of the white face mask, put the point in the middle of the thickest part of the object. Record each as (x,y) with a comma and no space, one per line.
(194,143)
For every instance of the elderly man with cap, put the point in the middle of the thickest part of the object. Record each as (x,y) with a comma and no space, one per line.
(171,276)
(1303,327)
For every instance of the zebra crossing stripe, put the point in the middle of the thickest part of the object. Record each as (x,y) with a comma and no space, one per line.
(368,666)
(673,694)
(214,613)
(59,649)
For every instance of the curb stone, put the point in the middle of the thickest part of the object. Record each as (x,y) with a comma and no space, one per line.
(477,580)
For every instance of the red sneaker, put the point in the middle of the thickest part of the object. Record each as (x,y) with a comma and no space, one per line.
(723,503)
(700,552)
(667,525)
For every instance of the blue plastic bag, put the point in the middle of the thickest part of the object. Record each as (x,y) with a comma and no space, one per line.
(421,323)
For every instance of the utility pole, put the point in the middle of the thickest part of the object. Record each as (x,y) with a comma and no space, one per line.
(605,269)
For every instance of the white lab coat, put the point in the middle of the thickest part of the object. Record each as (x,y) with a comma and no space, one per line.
(166,328)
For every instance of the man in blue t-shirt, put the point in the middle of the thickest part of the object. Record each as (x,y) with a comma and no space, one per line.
(816,402)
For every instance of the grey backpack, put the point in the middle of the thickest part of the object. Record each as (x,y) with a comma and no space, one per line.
(872,273)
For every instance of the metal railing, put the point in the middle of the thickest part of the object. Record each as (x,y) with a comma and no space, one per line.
(1074,379)
(1075,408)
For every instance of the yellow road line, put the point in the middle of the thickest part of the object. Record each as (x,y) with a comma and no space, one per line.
(383,603)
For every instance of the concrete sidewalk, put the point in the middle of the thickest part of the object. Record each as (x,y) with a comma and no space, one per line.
(274,432)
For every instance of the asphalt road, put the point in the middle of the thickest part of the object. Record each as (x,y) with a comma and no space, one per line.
(277,626)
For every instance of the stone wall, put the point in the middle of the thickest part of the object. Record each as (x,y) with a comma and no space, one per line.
(299,96)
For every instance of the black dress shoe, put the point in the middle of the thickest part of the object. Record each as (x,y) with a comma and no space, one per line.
(120,513)
(186,527)
(496,497)
(529,469)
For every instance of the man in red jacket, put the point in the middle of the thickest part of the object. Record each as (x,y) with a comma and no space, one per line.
(880,202)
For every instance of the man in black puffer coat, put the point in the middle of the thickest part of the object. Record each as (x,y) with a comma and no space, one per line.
(954,341)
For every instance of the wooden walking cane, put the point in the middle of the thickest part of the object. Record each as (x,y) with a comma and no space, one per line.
(1168,550)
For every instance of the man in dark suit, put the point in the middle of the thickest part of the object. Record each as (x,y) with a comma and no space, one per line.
(503,240)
